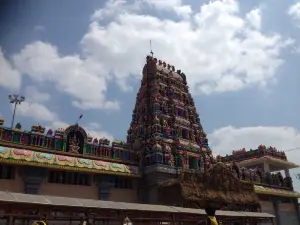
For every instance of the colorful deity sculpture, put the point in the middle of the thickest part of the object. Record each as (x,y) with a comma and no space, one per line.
(74,144)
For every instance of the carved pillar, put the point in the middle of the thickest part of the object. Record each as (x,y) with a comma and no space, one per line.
(32,177)
(104,183)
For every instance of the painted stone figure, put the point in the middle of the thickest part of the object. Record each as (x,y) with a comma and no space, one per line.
(74,145)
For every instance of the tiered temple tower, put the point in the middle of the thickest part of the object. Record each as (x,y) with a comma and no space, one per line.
(166,131)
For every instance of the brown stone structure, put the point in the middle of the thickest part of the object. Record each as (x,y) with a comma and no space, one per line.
(218,189)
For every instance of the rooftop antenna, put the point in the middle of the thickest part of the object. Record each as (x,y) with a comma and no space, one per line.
(151,52)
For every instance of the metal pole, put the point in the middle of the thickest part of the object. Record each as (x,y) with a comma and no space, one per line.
(13,118)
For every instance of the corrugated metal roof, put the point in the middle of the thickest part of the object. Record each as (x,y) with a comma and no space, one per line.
(62,201)
(230,213)
(112,205)
(90,203)
(258,215)
(190,210)
(6,196)
(25,198)
(147,207)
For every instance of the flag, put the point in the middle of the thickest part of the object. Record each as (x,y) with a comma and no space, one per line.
(81,115)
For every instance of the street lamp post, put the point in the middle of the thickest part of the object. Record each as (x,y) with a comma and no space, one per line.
(15,99)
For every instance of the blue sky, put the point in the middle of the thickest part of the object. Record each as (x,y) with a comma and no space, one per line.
(240,58)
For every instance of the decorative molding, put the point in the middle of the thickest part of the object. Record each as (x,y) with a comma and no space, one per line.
(277,192)
(49,160)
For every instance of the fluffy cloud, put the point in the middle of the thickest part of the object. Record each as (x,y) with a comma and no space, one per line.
(254,18)
(229,138)
(222,51)
(176,6)
(40,113)
(34,95)
(36,111)
(218,48)
(294,12)
(10,78)
(95,130)
(79,78)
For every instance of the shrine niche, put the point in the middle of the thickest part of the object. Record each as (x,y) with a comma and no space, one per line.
(75,139)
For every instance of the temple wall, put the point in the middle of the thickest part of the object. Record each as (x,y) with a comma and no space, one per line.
(123,195)
(287,214)
(72,191)
(15,185)
(267,207)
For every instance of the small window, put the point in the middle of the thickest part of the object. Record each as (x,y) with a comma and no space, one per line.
(7,172)
(123,183)
(69,178)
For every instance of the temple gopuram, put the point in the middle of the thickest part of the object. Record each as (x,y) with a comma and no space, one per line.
(164,172)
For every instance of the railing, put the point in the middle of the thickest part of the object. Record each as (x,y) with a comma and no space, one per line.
(240,156)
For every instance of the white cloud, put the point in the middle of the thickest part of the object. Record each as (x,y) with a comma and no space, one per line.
(229,138)
(58,124)
(254,18)
(10,78)
(176,6)
(33,108)
(94,129)
(115,7)
(34,95)
(82,79)
(36,111)
(217,48)
(294,12)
